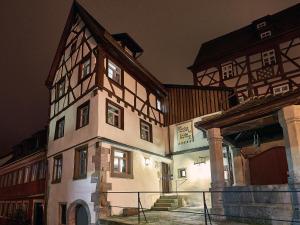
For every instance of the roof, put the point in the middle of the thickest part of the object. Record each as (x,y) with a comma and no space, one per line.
(251,109)
(107,42)
(241,39)
(129,42)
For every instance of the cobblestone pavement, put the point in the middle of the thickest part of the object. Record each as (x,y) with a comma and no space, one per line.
(177,217)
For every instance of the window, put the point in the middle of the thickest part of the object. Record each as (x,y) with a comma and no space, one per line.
(20,176)
(114,114)
(268,57)
(60,88)
(114,72)
(63,213)
(261,25)
(42,169)
(83,115)
(281,89)
(57,169)
(182,173)
(265,34)
(145,130)
(34,171)
(59,128)
(121,165)
(158,104)
(26,174)
(80,166)
(227,71)
(86,67)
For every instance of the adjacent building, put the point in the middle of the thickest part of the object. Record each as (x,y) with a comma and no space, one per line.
(23,181)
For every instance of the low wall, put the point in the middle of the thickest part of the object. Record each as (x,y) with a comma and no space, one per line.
(270,204)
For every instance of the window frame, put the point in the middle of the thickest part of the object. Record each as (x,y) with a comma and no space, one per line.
(261,25)
(224,68)
(129,164)
(56,179)
(150,130)
(265,34)
(108,102)
(77,161)
(57,89)
(281,86)
(82,77)
(121,83)
(56,128)
(180,170)
(78,115)
(269,58)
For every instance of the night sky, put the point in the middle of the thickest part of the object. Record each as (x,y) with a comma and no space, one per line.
(169,31)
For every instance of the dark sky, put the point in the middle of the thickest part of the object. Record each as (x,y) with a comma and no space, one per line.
(169,31)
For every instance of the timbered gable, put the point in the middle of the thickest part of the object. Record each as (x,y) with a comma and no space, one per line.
(76,72)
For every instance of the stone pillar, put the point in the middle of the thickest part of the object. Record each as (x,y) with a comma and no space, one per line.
(216,158)
(289,118)
(238,168)
(217,171)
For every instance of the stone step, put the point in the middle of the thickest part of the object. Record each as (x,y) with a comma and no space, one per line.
(169,197)
(160,208)
(164,204)
(167,201)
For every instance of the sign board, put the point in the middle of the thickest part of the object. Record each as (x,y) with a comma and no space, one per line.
(185,133)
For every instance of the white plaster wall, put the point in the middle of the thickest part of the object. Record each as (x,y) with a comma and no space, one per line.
(69,190)
(131,133)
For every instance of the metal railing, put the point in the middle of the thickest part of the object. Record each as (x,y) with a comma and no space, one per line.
(210,216)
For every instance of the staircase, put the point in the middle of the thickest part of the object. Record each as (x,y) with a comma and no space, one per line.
(166,203)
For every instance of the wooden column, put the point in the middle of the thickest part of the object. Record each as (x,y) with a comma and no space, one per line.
(216,158)
(289,118)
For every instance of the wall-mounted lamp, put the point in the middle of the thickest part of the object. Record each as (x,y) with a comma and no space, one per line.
(147,161)
(200,160)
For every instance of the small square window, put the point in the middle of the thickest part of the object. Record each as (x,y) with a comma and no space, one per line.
(227,71)
(281,89)
(121,165)
(57,169)
(83,115)
(114,72)
(59,128)
(265,34)
(114,114)
(268,58)
(60,88)
(145,131)
(80,167)
(182,173)
(261,25)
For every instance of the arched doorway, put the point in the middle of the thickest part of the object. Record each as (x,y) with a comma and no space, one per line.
(79,213)
(269,167)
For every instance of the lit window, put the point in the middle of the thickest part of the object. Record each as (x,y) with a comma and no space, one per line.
(26,174)
(80,168)
(268,57)
(114,115)
(83,115)
(261,25)
(57,169)
(281,89)
(86,68)
(265,34)
(158,104)
(114,72)
(227,71)
(59,128)
(146,130)
(182,173)
(60,88)
(63,213)
(121,166)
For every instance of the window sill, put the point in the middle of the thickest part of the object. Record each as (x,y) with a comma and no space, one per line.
(77,128)
(121,128)
(120,85)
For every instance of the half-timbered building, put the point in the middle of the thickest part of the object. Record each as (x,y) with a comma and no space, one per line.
(109,123)
(23,182)
(259,59)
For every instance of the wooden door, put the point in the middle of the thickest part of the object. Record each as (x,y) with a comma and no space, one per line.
(165,178)
(269,167)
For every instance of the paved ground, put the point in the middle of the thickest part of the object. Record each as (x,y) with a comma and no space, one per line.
(177,217)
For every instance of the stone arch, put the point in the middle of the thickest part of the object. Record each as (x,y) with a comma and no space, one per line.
(71,212)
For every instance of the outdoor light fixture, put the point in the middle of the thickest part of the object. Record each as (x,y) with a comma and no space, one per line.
(200,160)
(147,161)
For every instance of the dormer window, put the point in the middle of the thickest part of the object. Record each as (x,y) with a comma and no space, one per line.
(261,25)
(227,71)
(268,58)
(114,72)
(60,88)
(265,34)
